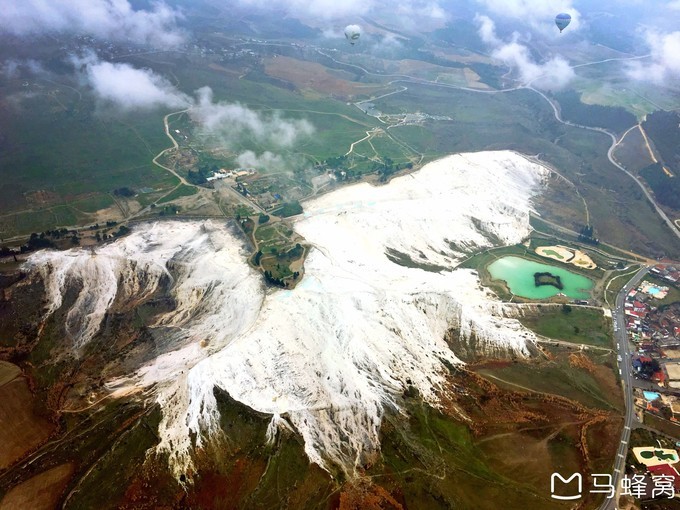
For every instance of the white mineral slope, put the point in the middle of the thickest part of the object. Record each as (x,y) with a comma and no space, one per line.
(328,357)
(130,270)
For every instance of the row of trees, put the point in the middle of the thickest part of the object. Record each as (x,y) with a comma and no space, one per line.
(587,235)
(201,176)
(666,189)
(388,168)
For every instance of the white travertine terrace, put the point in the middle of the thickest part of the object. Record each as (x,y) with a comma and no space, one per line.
(328,357)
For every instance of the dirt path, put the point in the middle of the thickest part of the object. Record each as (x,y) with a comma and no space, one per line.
(558,427)
(175,146)
(610,155)
(634,256)
(649,147)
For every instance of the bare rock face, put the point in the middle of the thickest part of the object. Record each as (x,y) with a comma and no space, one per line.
(326,358)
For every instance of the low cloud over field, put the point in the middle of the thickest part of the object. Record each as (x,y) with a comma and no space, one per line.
(665,59)
(105,19)
(125,87)
(122,87)
(232,121)
(330,9)
(553,74)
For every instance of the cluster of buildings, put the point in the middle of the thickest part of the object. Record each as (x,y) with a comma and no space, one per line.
(650,327)
(664,405)
(668,273)
(223,173)
(656,474)
(655,332)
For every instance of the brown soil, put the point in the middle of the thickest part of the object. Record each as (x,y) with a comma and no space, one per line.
(528,436)
(21,428)
(580,360)
(363,495)
(40,492)
(310,75)
(41,198)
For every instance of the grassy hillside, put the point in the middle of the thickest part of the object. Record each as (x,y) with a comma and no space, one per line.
(664,130)
(666,189)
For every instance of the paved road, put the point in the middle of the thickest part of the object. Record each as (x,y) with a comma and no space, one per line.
(610,156)
(625,368)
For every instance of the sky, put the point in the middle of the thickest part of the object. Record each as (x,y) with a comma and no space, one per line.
(106,19)
(507,28)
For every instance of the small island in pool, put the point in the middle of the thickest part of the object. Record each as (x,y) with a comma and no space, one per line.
(541,279)
(518,274)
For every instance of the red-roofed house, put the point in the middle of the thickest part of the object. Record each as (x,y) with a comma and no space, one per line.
(666,470)
(633,313)
(639,307)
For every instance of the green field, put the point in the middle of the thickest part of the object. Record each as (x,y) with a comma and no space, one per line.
(79,151)
(553,253)
(523,121)
(181,191)
(559,377)
(579,325)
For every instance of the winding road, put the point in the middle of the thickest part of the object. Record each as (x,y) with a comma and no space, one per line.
(673,226)
(625,369)
(610,156)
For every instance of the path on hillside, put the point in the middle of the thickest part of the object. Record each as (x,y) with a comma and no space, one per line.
(528,85)
(649,147)
(564,230)
(610,156)
(175,146)
(543,163)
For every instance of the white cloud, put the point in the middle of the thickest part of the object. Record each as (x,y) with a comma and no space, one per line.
(487,30)
(227,125)
(230,125)
(674,5)
(419,9)
(553,74)
(15,68)
(106,19)
(128,88)
(406,10)
(232,121)
(665,59)
(538,14)
(265,161)
(326,9)
(388,46)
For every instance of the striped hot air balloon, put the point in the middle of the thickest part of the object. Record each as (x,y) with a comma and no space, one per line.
(562,20)
(352,33)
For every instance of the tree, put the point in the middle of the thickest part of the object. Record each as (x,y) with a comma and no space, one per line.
(666,412)
(121,231)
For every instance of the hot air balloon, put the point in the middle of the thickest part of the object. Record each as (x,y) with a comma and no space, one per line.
(352,33)
(562,20)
